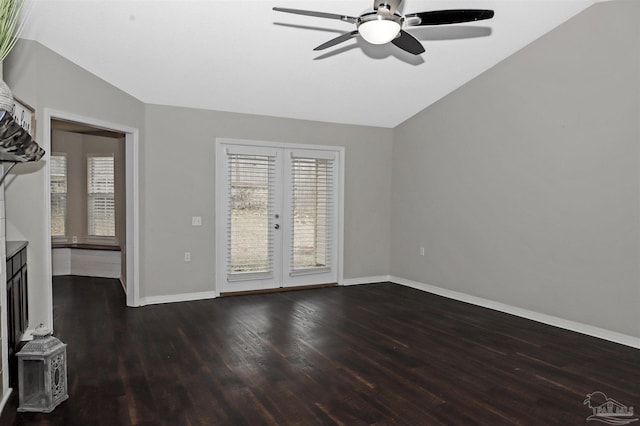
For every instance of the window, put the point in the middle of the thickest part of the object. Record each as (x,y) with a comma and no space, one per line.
(58,195)
(100,196)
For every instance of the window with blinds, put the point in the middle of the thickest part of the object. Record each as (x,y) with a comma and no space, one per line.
(312,213)
(101,196)
(251,206)
(58,178)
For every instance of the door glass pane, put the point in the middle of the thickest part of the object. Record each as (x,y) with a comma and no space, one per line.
(251,214)
(312,213)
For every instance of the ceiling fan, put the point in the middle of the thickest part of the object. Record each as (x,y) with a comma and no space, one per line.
(384,24)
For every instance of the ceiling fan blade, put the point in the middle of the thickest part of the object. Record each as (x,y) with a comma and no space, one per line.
(317,14)
(390,5)
(441,17)
(337,40)
(408,43)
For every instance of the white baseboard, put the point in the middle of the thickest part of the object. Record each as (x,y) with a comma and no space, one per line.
(589,330)
(366,280)
(172,298)
(187,297)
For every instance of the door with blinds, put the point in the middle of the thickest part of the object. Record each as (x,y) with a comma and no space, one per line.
(277,216)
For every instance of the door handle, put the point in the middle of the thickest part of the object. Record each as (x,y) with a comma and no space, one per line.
(277,226)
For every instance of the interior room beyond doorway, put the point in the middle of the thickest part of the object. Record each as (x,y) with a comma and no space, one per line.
(88,207)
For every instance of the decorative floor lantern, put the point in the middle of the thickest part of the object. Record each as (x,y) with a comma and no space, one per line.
(42,373)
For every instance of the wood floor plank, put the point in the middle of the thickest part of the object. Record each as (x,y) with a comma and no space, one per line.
(378,354)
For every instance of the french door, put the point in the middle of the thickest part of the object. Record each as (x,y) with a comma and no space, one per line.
(277,215)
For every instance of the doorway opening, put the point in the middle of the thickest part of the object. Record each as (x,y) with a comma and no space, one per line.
(106,171)
(88,203)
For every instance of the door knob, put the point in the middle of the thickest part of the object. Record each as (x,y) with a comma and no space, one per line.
(277,226)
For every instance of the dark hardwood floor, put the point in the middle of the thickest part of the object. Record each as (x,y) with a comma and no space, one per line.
(371,354)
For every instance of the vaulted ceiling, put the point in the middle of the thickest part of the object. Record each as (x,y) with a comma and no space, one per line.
(240,56)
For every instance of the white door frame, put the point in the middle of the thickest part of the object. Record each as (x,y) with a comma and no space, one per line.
(132,200)
(220,225)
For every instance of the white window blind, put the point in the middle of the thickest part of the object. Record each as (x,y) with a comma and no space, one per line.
(250,216)
(313,210)
(58,173)
(101,200)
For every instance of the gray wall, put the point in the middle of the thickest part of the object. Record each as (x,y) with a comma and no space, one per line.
(523,185)
(181,179)
(44,79)
(177,176)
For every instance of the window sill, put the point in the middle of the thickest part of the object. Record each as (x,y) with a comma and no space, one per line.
(106,247)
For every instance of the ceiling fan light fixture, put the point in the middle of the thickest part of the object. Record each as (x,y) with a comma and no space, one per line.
(380,30)
(384,24)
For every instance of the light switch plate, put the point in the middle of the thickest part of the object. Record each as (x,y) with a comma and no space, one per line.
(196,221)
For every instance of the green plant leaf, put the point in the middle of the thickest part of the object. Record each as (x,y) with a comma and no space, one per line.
(10,25)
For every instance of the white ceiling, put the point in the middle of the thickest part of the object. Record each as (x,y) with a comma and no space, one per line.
(241,56)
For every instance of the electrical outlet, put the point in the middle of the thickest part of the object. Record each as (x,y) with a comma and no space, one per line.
(187,256)
(421,251)
(74,240)
(196,221)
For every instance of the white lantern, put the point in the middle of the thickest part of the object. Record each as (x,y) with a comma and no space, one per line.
(42,373)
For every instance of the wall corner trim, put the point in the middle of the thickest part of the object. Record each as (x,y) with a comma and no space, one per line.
(589,330)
